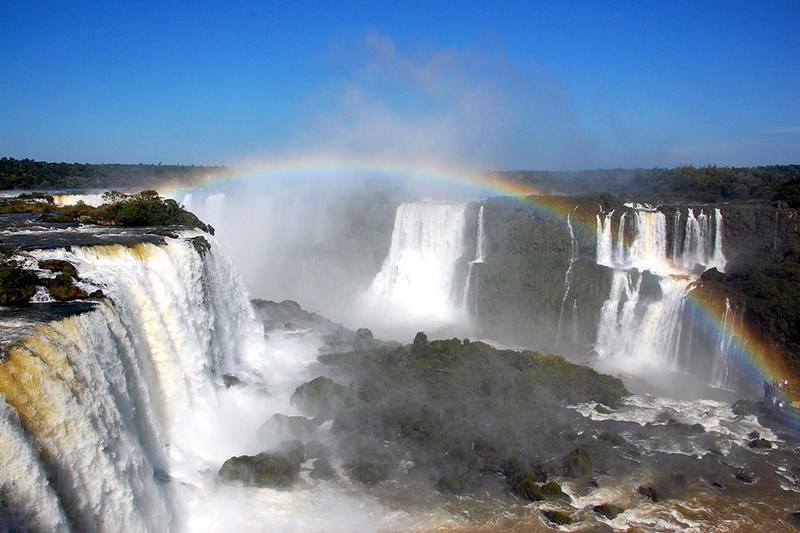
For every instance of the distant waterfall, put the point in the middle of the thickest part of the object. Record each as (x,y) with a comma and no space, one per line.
(480,257)
(99,409)
(573,256)
(605,245)
(726,370)
(650,331)
(480,240)
(418,280)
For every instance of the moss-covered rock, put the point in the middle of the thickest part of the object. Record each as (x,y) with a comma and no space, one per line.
(552,491)
(323,470)
(58,265)
(578,463)
(321,397)
(262,470)
(613,439)
(449,485)
(609,510)
(649,493)
(201,245)
(17,285)
(529,489)
(760,444)
(557,517)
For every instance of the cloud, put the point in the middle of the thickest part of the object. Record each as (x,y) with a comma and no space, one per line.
(451,105)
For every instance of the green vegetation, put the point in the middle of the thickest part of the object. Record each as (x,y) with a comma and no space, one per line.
(17,284)
(22,174)
(765,291)
(456,408)
(777,183)
(609,510)
(262,470)
(146,208)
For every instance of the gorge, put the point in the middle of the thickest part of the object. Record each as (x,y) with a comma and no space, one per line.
(120,416)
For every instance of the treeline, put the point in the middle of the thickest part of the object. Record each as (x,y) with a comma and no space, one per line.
(27,174)
(777,183)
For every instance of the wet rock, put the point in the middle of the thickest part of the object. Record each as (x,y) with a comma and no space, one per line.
(527,488)
(560,518)
(287,427)
(364,340)
(612,438)
(745,407)
(609,510)
(794,519)
(57,265)
(602,409)
(316,449)
(649,493)
(577,463)
(449,485)
(229,380)
(323,470)
(262,470)
(321,397)
(760,444)
(744,476)
(552,491)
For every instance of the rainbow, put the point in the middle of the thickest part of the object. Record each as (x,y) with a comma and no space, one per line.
(748,345)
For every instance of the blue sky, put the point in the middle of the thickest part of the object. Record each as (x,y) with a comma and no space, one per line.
(495,84)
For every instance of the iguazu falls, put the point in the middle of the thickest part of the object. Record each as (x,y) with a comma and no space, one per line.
(364,359)
(383,267)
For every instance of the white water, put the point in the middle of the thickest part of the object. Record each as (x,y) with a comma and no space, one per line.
(72,199)
(417,286)
(480,251)
(643,336)
(127,394)
(573,256)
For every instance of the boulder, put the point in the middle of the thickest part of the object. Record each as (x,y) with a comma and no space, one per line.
(609,510)
(649,493)
(560,518)
(323,470)
(577,463)
(262,470)
(320,397)
(281,427)
(449,485)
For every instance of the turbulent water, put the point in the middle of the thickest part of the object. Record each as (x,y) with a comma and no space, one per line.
(117,418)
(419,286)
(101,408)
(650,331)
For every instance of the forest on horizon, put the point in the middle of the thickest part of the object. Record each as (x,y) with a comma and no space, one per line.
(767,184)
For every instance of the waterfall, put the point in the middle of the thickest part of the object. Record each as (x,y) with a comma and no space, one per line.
(702,244)
(725,370)
(653,332)
(480,247)
(480,257)
(100,409)
(419,279)
(604,241)
(573,256)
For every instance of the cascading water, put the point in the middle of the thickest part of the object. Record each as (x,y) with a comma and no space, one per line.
(480,246)
(641,328)
(418,282)
(573,256)
(605,245)
(480,257)
(100,409)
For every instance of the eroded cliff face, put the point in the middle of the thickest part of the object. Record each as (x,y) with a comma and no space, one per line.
(541,284)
